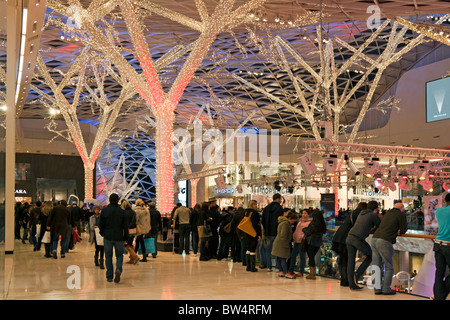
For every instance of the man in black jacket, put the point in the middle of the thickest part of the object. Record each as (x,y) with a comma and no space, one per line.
(58,223)
(356,241)
(340,247)
(383,240)
(113,227)
(270,223)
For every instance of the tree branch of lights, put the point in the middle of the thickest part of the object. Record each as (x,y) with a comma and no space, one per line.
(431,30)
(127,188)
(322,97)
(162,104)
(182,148)
(108,112)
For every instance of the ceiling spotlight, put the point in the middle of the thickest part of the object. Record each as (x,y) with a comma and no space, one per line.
(329,164)
(421,168)
(404,185)
(371,164)
(426,184)
(423,176)
(391,185)
(307,164)
(352,167)
(352,179)
(446,186)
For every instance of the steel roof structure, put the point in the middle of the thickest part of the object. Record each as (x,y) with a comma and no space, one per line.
(245,51)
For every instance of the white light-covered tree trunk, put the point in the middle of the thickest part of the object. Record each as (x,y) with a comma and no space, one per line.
(162,104)
(108,111)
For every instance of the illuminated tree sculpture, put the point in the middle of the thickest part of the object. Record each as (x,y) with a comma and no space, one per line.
(321,94)
(148,85)
(88,88)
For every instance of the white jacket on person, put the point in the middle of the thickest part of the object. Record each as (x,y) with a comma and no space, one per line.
(142,220)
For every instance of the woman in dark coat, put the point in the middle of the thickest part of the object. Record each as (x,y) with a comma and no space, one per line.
(314,232)
(204,218)
(252,241)
(239,237)
(340,247)
(45,212)
(131,219)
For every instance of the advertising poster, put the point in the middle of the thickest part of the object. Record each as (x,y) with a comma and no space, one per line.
(327,206)
(430,204)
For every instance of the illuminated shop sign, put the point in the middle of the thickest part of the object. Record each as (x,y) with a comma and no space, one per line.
(226,191)
(375,194)
(20,191)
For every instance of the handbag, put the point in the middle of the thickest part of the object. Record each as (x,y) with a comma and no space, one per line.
(207,226)
(138,230)
(246,226)
(227,227)
(98,237)
(47,237)
(75,237)
(202,233)
(303,245)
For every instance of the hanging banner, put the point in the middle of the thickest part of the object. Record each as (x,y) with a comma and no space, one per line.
(220,183)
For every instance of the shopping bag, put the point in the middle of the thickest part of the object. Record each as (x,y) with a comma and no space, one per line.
(98,237)
(149,244)
(38,230)
(246,226)
(47,237)
(75,237)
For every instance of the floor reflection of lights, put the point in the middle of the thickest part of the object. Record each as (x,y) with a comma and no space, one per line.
(29,275)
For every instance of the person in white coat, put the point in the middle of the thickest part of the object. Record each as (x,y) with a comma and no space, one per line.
(142,226)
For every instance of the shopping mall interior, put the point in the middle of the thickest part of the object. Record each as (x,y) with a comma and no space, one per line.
(328,103)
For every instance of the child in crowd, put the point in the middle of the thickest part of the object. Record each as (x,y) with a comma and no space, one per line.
(99,247)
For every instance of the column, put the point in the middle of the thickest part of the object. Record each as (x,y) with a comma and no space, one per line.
(13,29)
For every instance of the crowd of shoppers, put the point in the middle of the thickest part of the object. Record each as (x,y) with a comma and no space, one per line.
(239,234)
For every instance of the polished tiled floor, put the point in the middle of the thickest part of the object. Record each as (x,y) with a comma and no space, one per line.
(29,275)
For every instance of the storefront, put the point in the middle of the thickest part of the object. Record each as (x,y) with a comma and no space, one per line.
(37,180)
